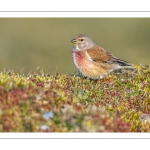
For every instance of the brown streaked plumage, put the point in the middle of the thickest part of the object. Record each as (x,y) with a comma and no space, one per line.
(92,60)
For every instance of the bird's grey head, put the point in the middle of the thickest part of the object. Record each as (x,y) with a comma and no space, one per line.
(82,42)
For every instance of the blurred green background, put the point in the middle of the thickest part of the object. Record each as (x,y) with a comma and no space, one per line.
(28,43)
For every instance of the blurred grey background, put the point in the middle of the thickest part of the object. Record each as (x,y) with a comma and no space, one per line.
(28,43)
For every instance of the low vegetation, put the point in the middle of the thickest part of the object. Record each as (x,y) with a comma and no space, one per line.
(41,102)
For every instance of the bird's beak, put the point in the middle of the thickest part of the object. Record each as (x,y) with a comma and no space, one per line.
(73,41)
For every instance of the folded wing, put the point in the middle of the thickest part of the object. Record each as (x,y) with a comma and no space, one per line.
(99,55)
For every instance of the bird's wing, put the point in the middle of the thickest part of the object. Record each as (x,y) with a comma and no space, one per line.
(99,55)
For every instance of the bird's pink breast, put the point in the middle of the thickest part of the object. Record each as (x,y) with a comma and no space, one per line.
(80,59)
(87,67)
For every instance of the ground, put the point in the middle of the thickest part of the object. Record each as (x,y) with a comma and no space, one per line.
(40,102)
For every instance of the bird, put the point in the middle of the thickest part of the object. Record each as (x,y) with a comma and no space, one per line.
(93,61)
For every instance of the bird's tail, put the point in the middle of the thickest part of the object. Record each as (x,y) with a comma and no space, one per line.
(126,67)
(125,64)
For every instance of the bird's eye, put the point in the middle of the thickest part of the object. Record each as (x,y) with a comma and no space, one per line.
(81,40)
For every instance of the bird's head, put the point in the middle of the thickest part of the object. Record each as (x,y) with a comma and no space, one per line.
(82,42)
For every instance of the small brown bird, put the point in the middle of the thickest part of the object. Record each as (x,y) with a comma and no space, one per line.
(92,60)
